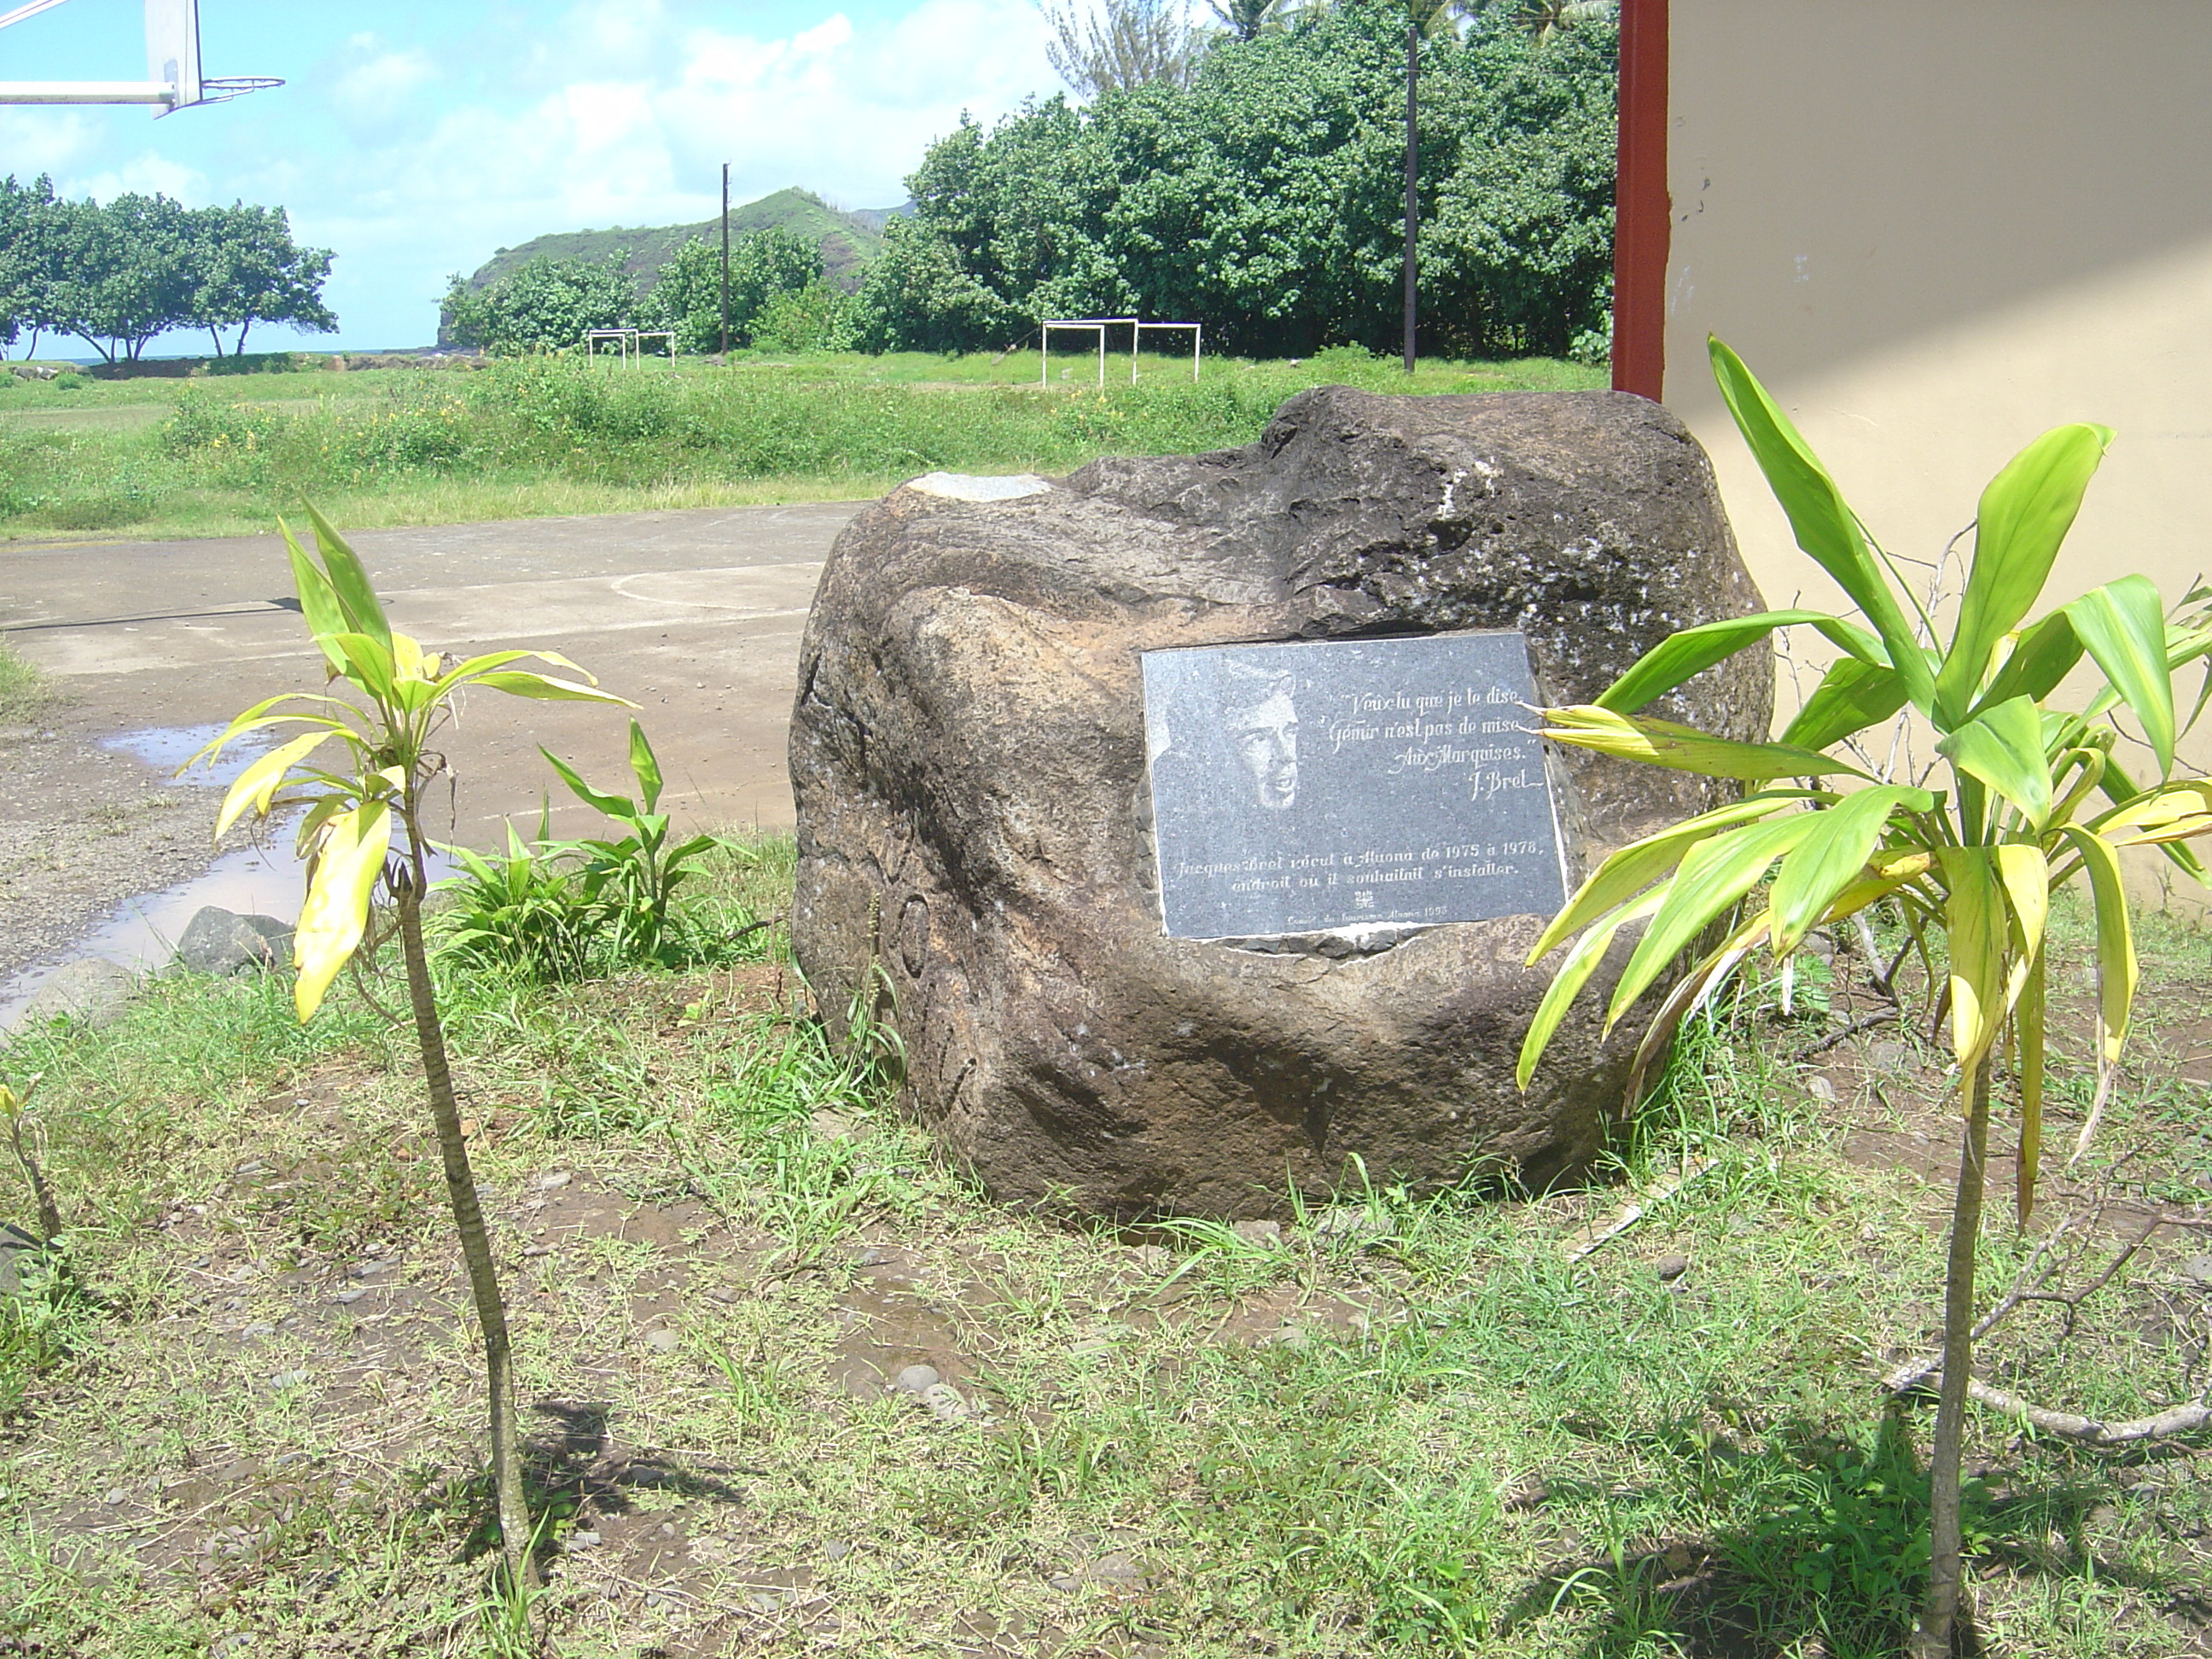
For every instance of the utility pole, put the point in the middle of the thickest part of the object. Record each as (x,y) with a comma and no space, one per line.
(1413,171)
(726,260)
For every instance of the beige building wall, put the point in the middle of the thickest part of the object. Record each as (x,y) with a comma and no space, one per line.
(1935,231)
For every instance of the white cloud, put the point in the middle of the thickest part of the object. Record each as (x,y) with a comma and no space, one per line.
(379,80)
(413,158)
(36,141)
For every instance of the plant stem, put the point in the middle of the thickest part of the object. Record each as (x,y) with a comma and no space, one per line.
(1931,1637)
(514,1534)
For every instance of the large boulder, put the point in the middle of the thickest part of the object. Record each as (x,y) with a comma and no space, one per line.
(975,858)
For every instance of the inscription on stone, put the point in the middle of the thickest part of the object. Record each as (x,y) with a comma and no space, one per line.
(1312,785)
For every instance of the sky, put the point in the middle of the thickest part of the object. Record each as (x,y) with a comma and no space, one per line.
(415,139)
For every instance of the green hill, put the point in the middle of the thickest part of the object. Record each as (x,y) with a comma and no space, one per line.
(847,240)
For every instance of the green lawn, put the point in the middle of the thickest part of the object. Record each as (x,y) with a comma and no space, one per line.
(219,456)
(1412,1424)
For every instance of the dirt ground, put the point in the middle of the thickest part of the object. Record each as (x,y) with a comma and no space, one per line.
(696,616)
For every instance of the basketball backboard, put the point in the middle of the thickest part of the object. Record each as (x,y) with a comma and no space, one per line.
(174,81)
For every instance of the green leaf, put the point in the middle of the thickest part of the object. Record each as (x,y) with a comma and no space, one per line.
(1714,875)
(2116,943)
(1640,863)
(367,662)
(1824,524)
(2123,626)
(1685,748)
(1574,973)
(546,689)
(2003,747)
(615,807)
(319,601)
(646,765)
(2040,657)
(356,596)
(2025,515)
(1851,696)
(1833,855)
(1683,655)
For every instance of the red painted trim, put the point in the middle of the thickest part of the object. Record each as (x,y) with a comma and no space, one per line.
(1643,211)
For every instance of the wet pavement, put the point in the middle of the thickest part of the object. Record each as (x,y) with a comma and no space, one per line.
(695,616)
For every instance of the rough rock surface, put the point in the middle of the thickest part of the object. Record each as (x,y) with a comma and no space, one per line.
(967,752)
(91,990)
(220,941)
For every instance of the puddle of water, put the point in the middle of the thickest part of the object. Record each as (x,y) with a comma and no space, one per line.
(143,933)
(166,748)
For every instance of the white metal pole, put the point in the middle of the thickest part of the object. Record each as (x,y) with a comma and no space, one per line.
(1197,345)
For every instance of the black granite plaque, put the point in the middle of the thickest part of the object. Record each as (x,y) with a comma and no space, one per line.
(1307,786)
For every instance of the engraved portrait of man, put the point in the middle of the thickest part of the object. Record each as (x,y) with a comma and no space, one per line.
(1260,720)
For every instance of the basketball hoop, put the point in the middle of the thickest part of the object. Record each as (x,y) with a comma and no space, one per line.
(174,81)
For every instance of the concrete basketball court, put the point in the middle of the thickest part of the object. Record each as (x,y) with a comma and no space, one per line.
(696,616)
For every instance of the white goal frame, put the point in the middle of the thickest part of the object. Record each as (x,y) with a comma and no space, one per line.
(629,343)
(1099,325)
(174,81)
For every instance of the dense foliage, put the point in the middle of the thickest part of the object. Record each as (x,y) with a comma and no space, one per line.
(1265,199)
(548,304)
(544,306)
(116,275)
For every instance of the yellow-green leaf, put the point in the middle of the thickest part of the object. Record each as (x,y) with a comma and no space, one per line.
(546,688)
(1640,863)
(1851,696)
(1824,524)
(2028,1023)
(1684,655)
(1831,856)
(2024,875)
(2040,657)
(2123,626)
(356,595)
(2116,941)
(1975,928)
(1574,973)
(336,911)
(257,785)
(2003,748)
(1714,875)
(2025,515)
(1685,748)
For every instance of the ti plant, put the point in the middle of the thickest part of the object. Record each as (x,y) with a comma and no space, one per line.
(363,829)
(631,880)
(2026,795)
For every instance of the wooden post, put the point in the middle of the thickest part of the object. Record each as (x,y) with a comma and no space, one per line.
(726,260)
(1413,175)
(1642,207)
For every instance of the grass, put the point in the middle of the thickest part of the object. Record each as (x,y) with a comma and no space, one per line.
(168,457)
(1408,1423)
(24,692)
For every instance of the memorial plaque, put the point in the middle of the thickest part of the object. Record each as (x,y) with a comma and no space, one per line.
(1306,786)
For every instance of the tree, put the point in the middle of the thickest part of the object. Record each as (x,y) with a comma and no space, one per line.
(23,286)
(1247,19)
(1115,45)
(1974,863)
(117,274)
(687,295)
(247,269)
(396,701)
(1266,199)
(544,304)
(916,296)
